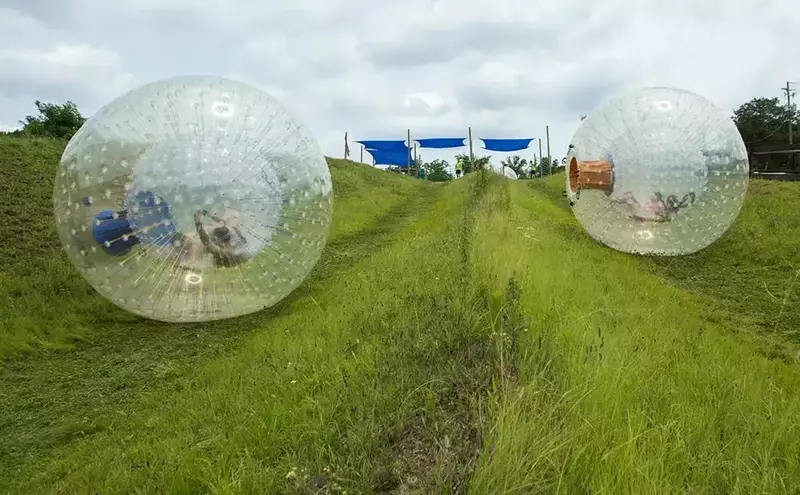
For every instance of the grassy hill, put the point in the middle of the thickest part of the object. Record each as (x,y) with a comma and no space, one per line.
(452,337)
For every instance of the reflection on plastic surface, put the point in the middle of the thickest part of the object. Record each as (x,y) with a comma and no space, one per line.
(193,199)
(657,171)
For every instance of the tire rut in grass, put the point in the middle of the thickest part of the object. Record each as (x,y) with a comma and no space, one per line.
(349,250)
(461,354)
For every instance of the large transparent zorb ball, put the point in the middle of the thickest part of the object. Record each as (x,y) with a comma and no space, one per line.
(657,171)
(193,199)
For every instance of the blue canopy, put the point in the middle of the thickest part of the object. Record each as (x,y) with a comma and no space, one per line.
(385,145)
(396,158)
(506,144)
(441,143)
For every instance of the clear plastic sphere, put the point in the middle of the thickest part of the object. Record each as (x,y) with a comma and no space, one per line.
(193,199)
(506,172)
(657,171)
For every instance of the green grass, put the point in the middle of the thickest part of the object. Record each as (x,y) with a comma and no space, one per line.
(628,384)
(752,274)
(50,306)
(459,337)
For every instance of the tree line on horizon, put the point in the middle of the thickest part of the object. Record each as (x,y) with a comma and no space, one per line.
(439,170)
(762,122)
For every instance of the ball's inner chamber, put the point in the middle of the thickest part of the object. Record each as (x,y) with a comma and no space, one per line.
(191,209)
(187,232)
(643,179)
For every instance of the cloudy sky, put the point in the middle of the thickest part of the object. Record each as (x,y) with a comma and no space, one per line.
(507,68)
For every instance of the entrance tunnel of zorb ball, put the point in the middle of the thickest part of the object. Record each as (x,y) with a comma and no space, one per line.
(193,199)
(596,174)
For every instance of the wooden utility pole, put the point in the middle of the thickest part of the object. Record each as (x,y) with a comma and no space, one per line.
(408,153)
(790,110)
(549,158)
(541,157)
(416,163)
(471,157)
(361,158)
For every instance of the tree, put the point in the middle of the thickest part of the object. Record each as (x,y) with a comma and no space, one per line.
(481,163)
(545,168)
(61,121)
(14,133)
(559,166)
(764,121)
(438,171)
(464,162)
(477,163)
(516,163)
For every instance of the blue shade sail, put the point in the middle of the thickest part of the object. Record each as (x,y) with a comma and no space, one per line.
(396,158)
(506,144)
(441,143)
(385,145)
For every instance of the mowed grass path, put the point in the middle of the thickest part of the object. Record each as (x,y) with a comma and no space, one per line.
(466,337)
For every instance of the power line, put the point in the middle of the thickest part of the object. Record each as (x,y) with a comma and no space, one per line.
(772,133)
(789,116)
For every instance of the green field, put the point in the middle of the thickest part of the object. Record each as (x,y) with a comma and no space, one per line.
(461,337)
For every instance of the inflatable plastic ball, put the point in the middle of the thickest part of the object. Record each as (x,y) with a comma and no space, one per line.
(506,172)
(657,171)
(192,199)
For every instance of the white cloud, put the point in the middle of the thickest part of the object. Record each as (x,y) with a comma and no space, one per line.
(38,62)
(425,103)
(508,67)
(98,70)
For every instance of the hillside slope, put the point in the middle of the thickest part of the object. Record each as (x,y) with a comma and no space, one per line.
(751,274)
(49,303)
(633,377)
(465,336)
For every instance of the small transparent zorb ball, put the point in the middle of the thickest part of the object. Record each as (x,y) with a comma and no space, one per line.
(506,172)
(657,171)
(192,199)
